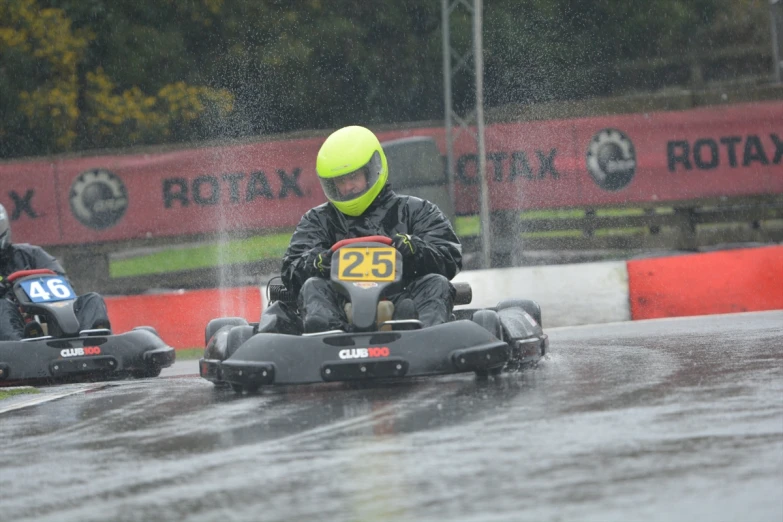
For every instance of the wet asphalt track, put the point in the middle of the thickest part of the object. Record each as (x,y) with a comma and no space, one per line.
(661,420)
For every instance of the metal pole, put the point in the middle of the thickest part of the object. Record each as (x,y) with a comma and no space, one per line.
(447,98)
(478,56)
(776,23)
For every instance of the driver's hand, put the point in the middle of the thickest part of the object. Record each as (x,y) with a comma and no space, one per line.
(404,243)
(5,286)
(320,263)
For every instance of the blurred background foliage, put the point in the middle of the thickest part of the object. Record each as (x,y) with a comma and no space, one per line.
(89,74)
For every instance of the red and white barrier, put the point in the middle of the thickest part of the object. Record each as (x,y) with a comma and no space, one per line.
(181,317)
(746,280)
(587,293)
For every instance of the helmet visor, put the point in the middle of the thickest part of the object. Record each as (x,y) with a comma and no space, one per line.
(354,184)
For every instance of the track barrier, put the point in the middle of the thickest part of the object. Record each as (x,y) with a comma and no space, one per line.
(742,280)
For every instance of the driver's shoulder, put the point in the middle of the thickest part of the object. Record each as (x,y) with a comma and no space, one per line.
(27,248)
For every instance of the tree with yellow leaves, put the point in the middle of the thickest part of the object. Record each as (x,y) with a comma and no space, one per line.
(51,103)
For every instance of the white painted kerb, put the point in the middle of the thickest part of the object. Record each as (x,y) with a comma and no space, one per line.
(569,295)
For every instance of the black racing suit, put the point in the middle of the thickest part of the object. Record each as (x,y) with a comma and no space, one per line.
(436,259)
(90,308)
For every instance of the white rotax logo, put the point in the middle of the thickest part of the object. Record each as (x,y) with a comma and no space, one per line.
(611,159)
(98,198)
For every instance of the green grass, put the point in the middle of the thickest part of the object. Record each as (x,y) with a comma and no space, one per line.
(4,394)
(236,251)
(189,354)
(467,225)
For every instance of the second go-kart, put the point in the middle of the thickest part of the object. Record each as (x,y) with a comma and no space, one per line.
(364,270)
(65,353)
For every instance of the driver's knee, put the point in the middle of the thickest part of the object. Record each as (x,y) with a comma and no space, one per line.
(90,309)
(315,285)
(11,322)
(93,299)
(435,285)
(280,317)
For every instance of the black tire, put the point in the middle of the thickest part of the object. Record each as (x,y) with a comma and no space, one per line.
(240,389)
(237,337)
(147,328)
(464,313)
(216,324)
(531,307)
(492,372)
(463,293)
(490,321)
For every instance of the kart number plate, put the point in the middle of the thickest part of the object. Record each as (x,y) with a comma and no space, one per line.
(47,289)
(367,264)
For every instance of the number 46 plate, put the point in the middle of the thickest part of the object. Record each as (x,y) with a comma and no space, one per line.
(48,289)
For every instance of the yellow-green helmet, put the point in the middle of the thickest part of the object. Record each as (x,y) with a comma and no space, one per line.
(346,154)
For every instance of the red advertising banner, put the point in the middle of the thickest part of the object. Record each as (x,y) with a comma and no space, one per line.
(245,187)
(27,191)
(613,160)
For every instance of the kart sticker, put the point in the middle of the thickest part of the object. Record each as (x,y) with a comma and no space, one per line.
(47,289)
(364,353)
(78,352)
(366,264)
(365,286)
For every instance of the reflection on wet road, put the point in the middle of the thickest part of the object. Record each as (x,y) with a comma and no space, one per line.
(661,420)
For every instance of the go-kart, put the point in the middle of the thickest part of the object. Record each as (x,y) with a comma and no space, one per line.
(377,346)
(65,353)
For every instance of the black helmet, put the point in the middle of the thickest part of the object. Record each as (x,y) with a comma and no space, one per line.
(5,230)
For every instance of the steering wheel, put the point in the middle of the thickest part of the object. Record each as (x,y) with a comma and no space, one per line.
(24,273)
(366,239)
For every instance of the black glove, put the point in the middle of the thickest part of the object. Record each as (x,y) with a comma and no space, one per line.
(320,264)
(404,243)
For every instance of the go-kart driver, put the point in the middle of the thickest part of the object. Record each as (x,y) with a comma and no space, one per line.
(90,309)
(353,172)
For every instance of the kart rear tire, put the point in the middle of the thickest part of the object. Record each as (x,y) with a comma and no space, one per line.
(237,337)
(216,324)
(490,321)
(240,389)
(531,307)
(489,373)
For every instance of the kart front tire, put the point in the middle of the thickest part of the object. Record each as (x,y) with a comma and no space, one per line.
(216,324)
(531,307)
(490,321)
(237,337)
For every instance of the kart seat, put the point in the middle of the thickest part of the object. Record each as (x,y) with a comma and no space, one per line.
(384,313)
